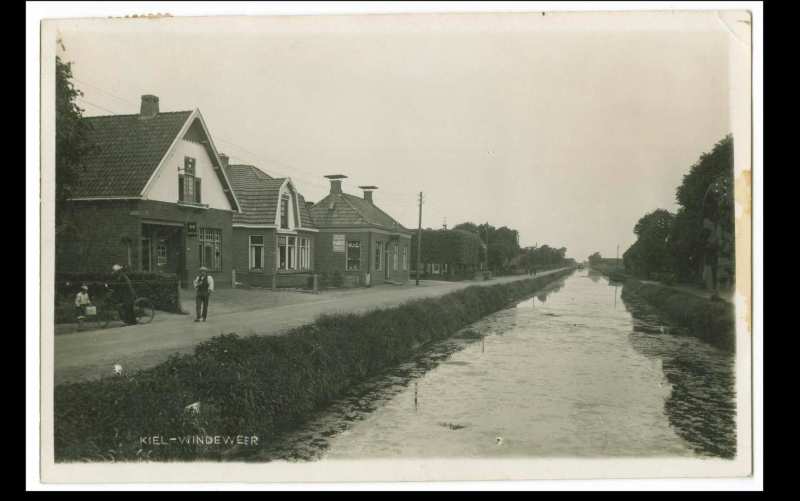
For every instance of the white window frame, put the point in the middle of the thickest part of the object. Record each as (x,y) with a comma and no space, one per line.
(379,250)
(395,257)
(347,255)
(212,237)
(405,258)
(252,247)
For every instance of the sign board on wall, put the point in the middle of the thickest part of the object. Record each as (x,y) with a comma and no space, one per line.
(338,243)
(191,229)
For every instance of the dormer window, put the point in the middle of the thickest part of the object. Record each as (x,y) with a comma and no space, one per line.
(285,211)
(189,183)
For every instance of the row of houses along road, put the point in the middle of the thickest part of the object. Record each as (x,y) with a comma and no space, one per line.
(157,195)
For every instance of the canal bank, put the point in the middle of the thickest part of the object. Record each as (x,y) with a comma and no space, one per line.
(574,371)
(258,386)
(712,321)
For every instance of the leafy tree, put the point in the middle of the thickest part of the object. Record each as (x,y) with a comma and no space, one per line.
(650,252)
(595,258)
(72,144)
(706,192)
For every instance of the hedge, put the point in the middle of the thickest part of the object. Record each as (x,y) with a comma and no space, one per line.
(711,321)
(161,288)
(258,385)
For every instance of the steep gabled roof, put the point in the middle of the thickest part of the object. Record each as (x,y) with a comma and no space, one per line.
(258,195)
(126,151)
(343,210)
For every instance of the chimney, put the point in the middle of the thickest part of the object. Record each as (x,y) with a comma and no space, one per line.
(336,182)
(149,107)
(224,160)
(368,192)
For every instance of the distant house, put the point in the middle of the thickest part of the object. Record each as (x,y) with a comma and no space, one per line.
(358,240)
(273,235)
(448,253)
(153,196)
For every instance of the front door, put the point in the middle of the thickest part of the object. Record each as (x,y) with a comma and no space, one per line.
(386,262)
(147,254)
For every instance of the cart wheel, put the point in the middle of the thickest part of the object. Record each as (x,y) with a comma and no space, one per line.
(143,310)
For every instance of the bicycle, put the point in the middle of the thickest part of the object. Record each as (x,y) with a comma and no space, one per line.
(143,310)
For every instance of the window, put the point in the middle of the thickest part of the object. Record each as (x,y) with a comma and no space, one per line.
(161,253)
(287,253)
(292,253)
(189,183)
(285,211)
(304,253)
(282,253)
(210,240)
(405,258)
(435,268)
(353,255)
(395,257)
(378,256)
(256,252)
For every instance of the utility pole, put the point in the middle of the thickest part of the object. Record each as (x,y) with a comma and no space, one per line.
(419,238)
(487,245)
(617,252)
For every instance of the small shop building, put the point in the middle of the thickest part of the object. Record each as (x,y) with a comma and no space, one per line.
(153,196)
(273,234)
(357,240)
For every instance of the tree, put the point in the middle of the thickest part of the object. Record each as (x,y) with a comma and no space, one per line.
(650,253)
(72,144)
(709,180)
(595,258)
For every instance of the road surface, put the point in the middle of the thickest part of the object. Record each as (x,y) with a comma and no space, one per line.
(87,355)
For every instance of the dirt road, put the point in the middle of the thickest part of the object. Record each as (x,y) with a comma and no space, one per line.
(86,355)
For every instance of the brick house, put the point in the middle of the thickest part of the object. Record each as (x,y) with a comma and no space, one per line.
(153,196)
(359,240)
(273,234)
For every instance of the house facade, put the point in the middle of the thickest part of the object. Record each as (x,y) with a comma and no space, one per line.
(357,240)
(153,196)
(273,236)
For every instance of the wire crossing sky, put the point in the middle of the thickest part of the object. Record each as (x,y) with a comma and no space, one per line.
(567,127)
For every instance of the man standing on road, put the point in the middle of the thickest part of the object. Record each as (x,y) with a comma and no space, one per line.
(204,286)
(125,294)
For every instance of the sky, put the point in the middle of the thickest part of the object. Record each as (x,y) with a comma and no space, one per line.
(566,127)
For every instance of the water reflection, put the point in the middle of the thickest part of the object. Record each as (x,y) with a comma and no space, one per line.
(701,406)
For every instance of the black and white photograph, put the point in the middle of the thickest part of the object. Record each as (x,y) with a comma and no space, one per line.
(386,247)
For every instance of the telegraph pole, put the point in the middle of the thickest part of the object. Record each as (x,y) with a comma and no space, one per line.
(419,237)
(487,245)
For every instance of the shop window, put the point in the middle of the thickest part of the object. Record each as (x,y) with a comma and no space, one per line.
(353,255)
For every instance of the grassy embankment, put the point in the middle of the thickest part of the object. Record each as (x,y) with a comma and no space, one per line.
(258,385)
(712,321)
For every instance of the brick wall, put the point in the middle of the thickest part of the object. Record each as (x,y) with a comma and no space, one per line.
(327,261)
(108,232)
(97,239)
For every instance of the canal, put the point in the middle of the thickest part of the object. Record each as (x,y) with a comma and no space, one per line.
(572,372)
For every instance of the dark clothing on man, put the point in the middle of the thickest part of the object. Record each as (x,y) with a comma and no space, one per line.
(125,295)
(204,285)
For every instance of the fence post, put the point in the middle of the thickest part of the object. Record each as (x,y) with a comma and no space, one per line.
(274,281)
(233,278)
(316,283)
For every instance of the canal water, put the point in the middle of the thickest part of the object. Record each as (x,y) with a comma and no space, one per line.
(572,372)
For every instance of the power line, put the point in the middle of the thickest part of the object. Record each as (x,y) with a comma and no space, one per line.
(96,106)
